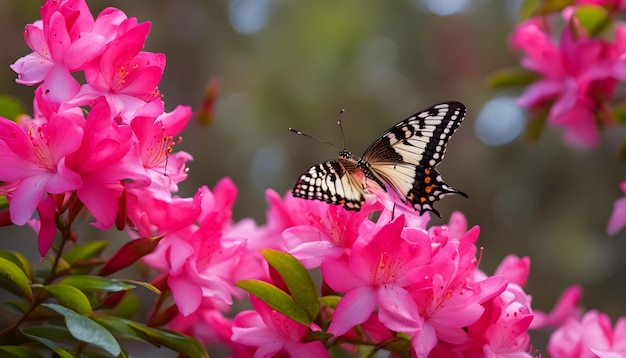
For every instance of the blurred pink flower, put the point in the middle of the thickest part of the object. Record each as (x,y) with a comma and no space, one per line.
(577,76)
(592,336)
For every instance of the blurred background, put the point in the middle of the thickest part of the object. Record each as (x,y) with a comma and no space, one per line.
(296,64)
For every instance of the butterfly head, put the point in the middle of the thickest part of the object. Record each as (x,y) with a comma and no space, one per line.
(346,154)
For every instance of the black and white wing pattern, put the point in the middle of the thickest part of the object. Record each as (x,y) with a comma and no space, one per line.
(333,182)
(402,159)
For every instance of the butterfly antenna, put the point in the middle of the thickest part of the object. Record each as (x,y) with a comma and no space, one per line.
(293,130)
(343,137)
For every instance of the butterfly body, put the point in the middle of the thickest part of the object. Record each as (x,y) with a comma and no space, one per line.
(402,159)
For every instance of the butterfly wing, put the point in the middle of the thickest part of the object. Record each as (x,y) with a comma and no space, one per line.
(420,139)
(404,156)
(334,182)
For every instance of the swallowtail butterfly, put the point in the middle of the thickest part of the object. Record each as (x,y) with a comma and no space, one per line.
(402,159)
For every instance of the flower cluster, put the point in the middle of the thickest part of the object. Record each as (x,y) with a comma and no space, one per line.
(107,159)
(396,278)
(578,73)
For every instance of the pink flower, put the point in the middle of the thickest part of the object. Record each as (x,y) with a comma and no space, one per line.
(108,162)
(618,217)
(154,140)
(576,77)
(126,76)
(203,260)
(448,300)
(274,335)
(35,157)
(592,336)
(62,43)
(376,273)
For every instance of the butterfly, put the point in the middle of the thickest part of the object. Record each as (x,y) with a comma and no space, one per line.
(402,159)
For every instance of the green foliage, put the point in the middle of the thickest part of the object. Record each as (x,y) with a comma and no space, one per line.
(10,107)
(508,77)
(81,312)
(594,19)
(531,8)
(297,279)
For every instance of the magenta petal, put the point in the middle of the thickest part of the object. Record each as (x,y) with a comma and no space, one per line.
(187,295)
(26,197)
(31,69)
(60,84)
(397,310)
(354,308)
(47,225)
(339,277)
(101,202)
(57,37)
(83,50)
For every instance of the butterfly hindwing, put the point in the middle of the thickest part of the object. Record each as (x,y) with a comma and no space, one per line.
(333,182)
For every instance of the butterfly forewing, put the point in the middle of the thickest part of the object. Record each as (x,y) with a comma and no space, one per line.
(420,139)
(334,182)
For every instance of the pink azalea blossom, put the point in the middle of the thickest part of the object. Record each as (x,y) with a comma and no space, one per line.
(124,75)
(448,300)
(592,336)
(203,260)
(272,334)
(35,155)
(62,43)
(376,273)
(154,141)
(108,162)
(575,74)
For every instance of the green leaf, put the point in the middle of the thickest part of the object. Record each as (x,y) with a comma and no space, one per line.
(18,352)
(87,282)
(42,335)
(57,333)
(317,336)
(159,337)
(330,301)
(10,107)
(512,76)
(20,260)
(120,327)
(173,340)
(530,8)
(277,299)
(593,18)
(297,278)
(14,280)
(129,254)
(87,330)
(71,297)
(85,251)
